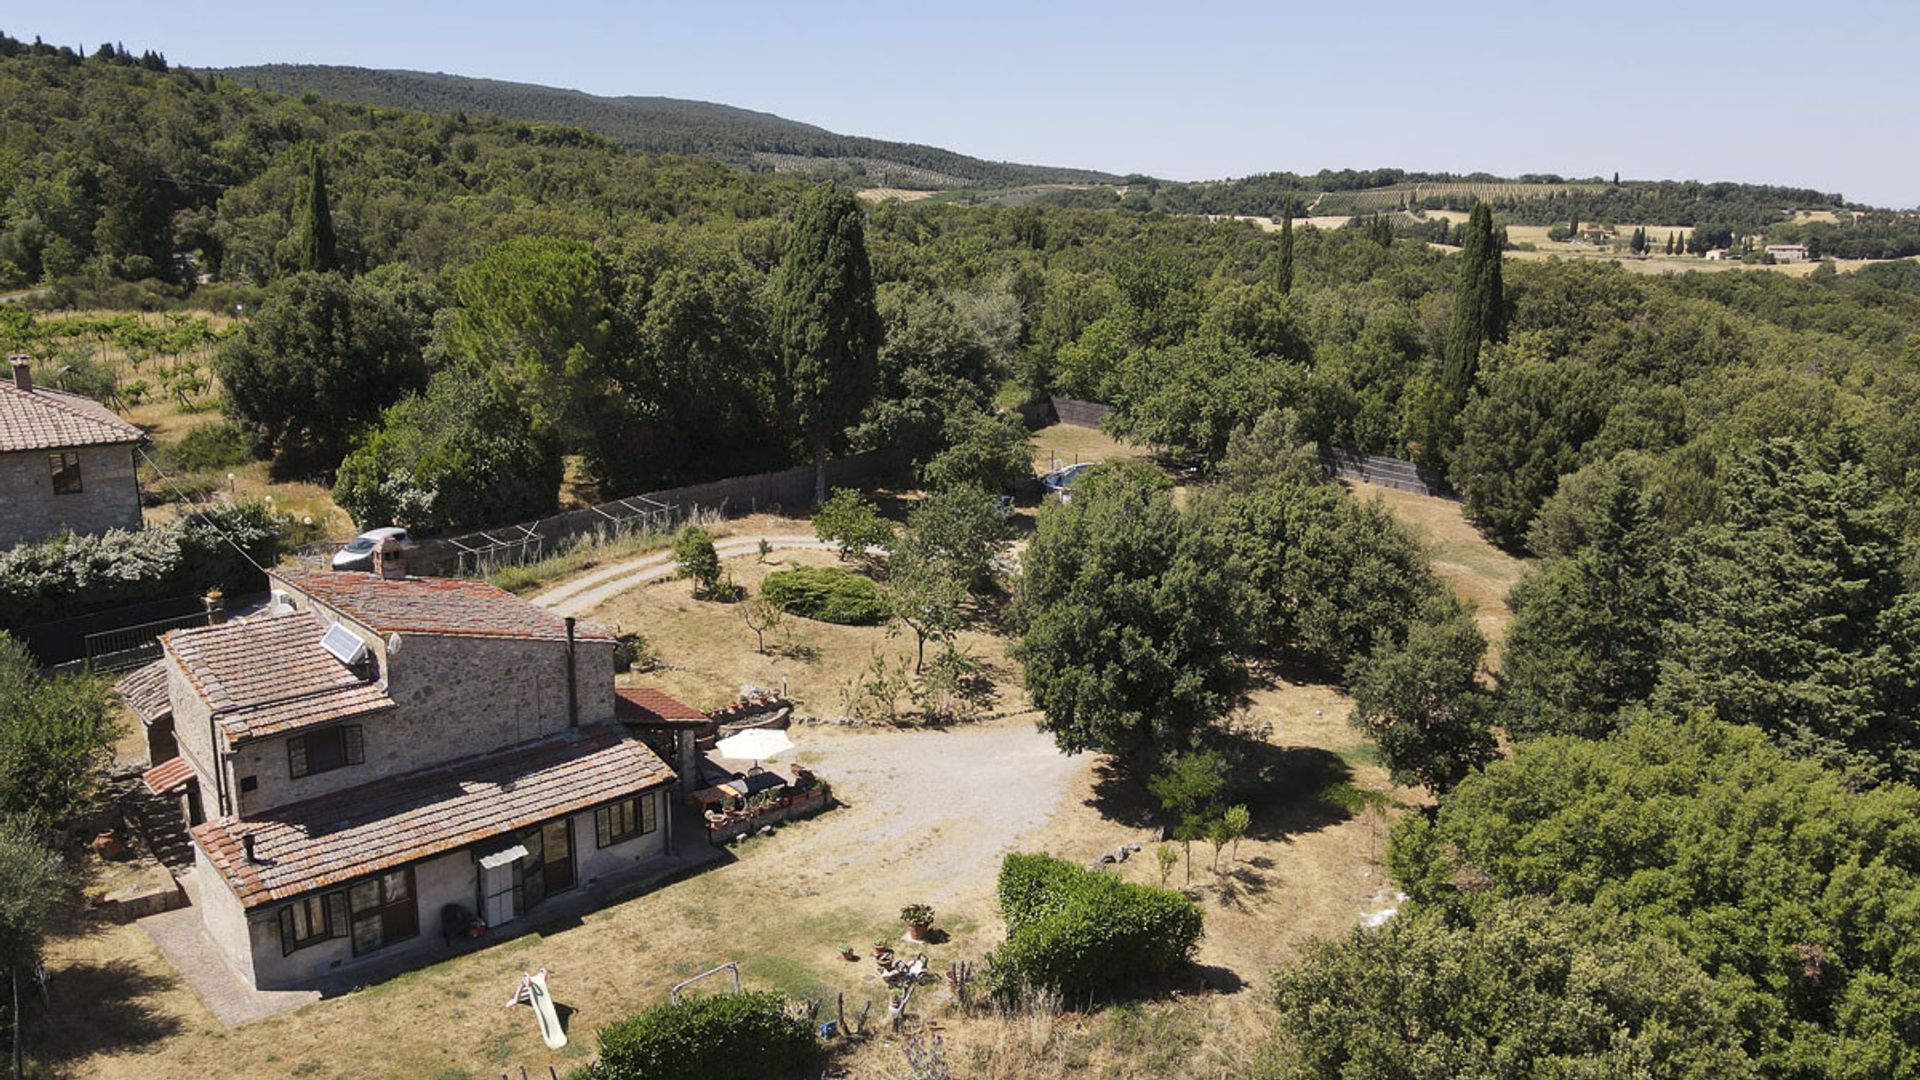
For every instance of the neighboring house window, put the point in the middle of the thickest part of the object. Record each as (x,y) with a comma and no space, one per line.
(383,910)
(65,467)
(311,920)
(624,820)
(324,751)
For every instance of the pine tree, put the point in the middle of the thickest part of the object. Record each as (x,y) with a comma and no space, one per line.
(825,321)
(317,252)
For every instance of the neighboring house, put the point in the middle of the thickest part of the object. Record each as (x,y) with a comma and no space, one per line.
(1788,253)
(376,749)
(1719,255)
(66,462)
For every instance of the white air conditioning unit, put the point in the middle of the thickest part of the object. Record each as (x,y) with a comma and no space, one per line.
(282,602)
(344,645)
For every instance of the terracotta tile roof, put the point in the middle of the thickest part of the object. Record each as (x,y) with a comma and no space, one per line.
(144,689)
(402,819)
(434,606)
(268,675)
(645,705)
(43,419)
(169,774)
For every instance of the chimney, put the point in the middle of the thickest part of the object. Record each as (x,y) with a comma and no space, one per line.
(22,372)
(246,844)
(390,560)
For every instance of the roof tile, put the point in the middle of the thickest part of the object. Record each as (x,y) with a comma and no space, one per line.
(268,675)
(646,705)
(45,419)
(144,689)
(397,820)
(434,606)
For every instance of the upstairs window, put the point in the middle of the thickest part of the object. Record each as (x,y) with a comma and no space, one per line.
(324,751)
(65,467)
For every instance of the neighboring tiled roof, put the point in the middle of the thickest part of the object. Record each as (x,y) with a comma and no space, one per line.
(433,606)
(268,675)
(169,774)
(402,819)
(42,419)
(645,705)
(144,689)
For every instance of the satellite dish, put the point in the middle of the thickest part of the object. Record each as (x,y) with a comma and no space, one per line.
(393,644)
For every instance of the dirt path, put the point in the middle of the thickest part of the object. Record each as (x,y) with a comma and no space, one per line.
(589,591)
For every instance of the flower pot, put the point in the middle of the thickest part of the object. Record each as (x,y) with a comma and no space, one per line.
(918,933)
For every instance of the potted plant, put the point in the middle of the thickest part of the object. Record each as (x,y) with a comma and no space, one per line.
(919,920)
(847,953)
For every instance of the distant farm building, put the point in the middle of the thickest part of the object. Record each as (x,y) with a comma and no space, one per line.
(1718,255)
(1788,253)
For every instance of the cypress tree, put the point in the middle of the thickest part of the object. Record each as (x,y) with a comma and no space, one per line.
(1479,317)
(1286,249)
(825,321)
(317,251)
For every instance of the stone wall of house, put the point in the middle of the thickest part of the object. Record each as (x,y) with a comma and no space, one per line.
(226,922)
(109,495)
(194,737)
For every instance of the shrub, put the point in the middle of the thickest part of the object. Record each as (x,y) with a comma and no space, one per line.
(735,1037)
(71,575)
(211,446)
(1077,931)
(828,594)
(693,553)
(850,520)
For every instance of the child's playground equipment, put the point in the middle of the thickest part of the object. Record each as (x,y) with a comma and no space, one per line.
(533,991)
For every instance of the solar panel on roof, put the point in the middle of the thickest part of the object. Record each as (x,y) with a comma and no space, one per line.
(344,645)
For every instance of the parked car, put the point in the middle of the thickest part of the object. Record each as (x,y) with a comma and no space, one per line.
(358,554)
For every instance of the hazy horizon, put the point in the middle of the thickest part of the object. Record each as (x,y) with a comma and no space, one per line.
(1712,92)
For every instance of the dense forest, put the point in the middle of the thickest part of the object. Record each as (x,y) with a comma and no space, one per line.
(659,125)
(1697,834)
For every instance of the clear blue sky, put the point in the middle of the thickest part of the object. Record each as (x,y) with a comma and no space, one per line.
(1817,95)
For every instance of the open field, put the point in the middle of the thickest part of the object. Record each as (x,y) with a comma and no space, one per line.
(882,194)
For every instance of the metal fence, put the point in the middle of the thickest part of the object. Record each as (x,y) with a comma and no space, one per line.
(125,647)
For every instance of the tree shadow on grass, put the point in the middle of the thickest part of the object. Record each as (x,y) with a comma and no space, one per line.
(97,1008)
(1290,790)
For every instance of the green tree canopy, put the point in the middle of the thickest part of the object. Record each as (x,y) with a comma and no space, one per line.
(462,455)
(1127,635)
(1420,699)
(825,321)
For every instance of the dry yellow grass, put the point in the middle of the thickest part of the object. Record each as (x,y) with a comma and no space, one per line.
(1479,573)
(882,194)
(1064,444)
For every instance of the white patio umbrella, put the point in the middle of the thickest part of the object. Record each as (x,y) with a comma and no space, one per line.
(754,744)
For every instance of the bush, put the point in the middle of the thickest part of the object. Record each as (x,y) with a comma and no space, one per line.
(734,1037)
(694,554)
(211,446)
(1077,931)
(828,594)
(71,575)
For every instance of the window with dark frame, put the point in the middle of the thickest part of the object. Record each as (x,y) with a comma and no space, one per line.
(324,751)
(65,467)
(624,820)
(383,910)
(311,920)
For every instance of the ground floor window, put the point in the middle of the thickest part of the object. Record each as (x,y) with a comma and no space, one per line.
(624,820)
(311,920)
(383,910)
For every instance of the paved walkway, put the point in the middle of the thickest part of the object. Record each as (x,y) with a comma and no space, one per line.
(589,591)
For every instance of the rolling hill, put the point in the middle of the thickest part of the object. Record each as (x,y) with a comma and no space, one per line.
(754,140)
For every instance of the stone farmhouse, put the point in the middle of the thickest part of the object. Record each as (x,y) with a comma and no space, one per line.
(377,756)
(66,462)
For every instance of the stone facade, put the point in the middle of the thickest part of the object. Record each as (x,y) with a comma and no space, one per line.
(109,495)
(250,941)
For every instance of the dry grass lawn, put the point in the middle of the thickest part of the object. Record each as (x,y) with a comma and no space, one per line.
(1479,572)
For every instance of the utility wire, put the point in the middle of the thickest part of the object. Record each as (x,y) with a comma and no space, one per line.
(201,514)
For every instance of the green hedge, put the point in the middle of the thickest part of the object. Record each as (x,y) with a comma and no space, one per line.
(826,593)
(731,1037)
(1077,931)
(68,575)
